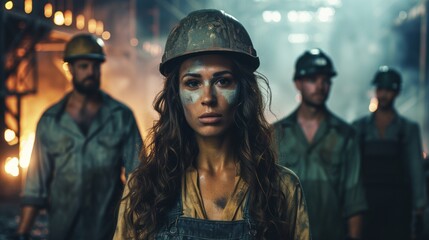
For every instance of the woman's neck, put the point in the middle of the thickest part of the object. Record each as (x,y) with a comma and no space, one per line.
(215,154)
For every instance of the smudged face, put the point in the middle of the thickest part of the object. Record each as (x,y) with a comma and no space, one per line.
(86,76)
(208,92)
(314,89)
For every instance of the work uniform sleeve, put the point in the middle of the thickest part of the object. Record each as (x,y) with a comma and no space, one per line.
(39,173)
(123,231)
(132,146)
(295,214)
(414,155)
(352,191)
(301,225)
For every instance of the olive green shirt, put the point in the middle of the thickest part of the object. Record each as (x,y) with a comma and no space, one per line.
(411,144)
(293,211)
(76,176)
(329,170)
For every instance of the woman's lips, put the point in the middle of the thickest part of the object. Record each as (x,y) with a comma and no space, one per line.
(210,118)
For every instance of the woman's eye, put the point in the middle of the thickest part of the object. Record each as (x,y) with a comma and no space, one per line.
(223,82)
(192,83)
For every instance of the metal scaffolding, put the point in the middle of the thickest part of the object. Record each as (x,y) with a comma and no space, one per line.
(19,34)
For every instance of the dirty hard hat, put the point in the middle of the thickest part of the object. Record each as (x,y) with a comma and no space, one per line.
(208,31)
(387,77)
(314,61)
(84,46)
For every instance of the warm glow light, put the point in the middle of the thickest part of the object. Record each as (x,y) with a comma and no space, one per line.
(25,152)
(80,22)
(8,5)
(65,66)
(11,166)
(28,6)
(134,42)
(152,48)
(373,104)
(68,18)
(9,135)
(59,18)
(48,10)
(92,25)
(20,52)
(100,28)
(105,35)
(67,71)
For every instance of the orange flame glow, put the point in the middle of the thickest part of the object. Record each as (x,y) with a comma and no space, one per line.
(373,104)
(9,135)
(11,166)
(25,150)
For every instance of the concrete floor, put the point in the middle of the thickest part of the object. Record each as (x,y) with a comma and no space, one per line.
(9,218)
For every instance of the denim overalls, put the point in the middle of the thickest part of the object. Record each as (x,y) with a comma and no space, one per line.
(182,228)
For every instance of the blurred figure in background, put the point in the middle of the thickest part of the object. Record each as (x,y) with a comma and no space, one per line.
(323,151)
(392,164)
(83,144)
(211,172)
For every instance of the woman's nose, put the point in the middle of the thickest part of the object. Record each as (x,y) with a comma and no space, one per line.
(209,96)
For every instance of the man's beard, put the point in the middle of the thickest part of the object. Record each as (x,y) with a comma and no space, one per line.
(86,89)
(314,103)
(385,104)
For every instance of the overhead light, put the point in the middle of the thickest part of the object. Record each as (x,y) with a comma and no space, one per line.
(28,6)
(59,18)
(92,25)
(68,17)
(271,16)
(8,5)
(300,16)
(298,38)
(80,22)
(335,3)
(100,28)
(325,14)
(48,10)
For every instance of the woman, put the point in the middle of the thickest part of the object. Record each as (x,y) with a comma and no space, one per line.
(211,171)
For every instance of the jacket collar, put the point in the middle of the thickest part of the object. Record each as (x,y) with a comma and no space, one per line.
(292,119)
(108,107)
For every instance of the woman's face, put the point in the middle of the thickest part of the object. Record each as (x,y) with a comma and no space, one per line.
(208,92)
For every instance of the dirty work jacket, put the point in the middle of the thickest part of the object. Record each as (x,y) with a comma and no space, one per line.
(77,177)
(411,149)
(329,170)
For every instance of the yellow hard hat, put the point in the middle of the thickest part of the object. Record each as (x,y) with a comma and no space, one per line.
(85,46)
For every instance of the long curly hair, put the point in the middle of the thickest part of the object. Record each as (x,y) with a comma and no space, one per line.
(155,184)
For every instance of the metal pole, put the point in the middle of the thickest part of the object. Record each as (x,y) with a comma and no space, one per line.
(2,82)
(423,73)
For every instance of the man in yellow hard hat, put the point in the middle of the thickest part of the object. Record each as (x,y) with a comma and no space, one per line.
(82,145)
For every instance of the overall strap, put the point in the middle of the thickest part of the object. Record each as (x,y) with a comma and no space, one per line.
(247,217)
(176,211)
